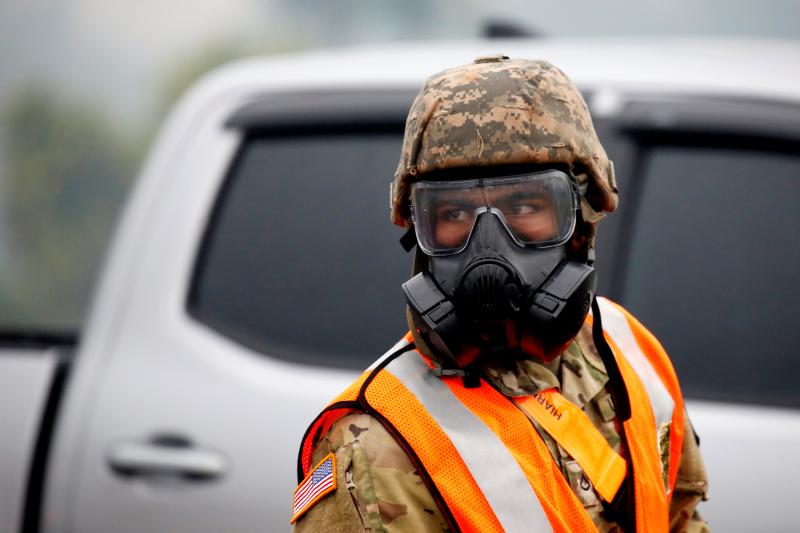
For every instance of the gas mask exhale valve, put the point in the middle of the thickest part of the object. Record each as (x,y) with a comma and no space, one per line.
(495,294)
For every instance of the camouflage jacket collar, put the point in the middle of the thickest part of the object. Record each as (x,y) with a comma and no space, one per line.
(578,373)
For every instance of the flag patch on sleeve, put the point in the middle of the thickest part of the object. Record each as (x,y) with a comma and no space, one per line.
(319,482)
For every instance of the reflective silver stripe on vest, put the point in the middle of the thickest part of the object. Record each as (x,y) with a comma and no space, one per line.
(616,325)
(495,470)
(390,351)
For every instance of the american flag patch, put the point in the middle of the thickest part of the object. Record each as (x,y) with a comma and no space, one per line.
(319,482)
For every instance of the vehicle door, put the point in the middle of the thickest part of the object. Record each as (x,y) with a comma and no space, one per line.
(242,295)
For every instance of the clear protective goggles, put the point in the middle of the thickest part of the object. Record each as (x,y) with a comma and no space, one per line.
(537,209)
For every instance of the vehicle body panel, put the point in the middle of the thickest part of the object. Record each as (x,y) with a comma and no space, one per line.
(25,379)
(148,374)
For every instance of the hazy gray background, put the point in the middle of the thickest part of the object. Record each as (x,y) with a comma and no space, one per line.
(85,83)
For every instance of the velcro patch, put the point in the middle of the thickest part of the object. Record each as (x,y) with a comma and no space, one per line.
(320,481)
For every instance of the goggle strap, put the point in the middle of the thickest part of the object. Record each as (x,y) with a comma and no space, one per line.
(409,239)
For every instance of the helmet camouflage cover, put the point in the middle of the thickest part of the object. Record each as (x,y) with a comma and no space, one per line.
(497,111)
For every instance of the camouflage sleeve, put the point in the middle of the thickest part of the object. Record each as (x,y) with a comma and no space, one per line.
(690,488)
(378,488)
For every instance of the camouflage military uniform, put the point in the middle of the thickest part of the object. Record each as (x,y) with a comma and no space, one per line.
(380,490)
(494,112)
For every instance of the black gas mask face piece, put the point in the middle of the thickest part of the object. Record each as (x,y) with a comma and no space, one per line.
(500,297)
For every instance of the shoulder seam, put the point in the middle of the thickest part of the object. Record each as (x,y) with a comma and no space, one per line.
(338,405)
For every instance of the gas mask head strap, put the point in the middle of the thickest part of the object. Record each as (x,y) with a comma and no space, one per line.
(409,239)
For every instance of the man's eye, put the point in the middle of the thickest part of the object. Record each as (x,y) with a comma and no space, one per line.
(518,210)
(455,214)
(523,209)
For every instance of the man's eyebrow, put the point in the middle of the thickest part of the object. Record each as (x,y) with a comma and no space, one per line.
(457,200)
(520,195)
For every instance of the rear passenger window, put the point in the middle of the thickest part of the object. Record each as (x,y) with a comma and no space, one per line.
(714,269)
(301,260)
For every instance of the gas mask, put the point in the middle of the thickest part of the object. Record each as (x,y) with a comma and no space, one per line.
(500,279)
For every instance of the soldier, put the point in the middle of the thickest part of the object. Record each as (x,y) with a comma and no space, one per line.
(509,406)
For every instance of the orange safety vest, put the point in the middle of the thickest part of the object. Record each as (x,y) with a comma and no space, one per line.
(483,460)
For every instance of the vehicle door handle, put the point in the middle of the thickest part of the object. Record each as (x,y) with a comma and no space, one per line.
(166,456)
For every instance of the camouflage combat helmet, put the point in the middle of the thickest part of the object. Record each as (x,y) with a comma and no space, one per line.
(497,111)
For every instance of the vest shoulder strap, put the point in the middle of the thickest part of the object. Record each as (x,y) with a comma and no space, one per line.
(654,368)
(348,401)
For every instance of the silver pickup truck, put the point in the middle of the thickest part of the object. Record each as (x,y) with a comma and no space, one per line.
(235,301)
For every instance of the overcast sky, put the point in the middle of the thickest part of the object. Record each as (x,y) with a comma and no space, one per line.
(116,52)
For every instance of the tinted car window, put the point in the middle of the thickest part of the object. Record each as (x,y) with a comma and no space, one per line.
(713,268)
(301,260)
